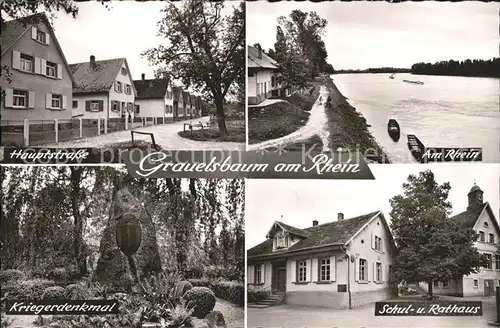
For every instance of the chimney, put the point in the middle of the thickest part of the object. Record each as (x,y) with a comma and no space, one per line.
(259,49)
(92,62)
(143,76)
(315,223)
(340,216)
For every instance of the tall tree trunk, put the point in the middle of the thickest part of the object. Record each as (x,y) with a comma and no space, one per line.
(221,117)
(75,179)
(430,286)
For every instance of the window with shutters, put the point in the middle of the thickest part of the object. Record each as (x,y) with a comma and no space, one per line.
(27,63)
(56,101)
(378,272)
(116,106)
(94,105)
(75,103)
(137,109)
(492,238)
(20,98)
(118,86)
(497,262)
(481,236)
(301,271)
(51,69)
(258,274)
(127,89)
(324,269)
(41,36)
(476,283)
(362,270)
(489,259)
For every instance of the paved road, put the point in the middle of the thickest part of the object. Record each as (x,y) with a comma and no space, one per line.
(362,317)
(316,125)
(165,136)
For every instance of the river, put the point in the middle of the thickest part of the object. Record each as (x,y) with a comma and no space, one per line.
(444,112)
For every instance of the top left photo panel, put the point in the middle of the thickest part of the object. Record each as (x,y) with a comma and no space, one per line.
(110,76)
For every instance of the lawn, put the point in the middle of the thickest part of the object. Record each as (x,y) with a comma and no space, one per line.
(274,121)
(235,129)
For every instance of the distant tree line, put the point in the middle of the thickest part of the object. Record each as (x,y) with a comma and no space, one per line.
(374,70)
(476,67)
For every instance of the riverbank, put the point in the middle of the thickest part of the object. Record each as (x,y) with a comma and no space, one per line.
(349,129)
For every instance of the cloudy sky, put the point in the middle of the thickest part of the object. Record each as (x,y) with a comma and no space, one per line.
(127,29)
(302,201)
(376,34)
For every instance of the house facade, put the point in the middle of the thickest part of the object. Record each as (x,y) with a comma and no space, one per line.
(104,89)
(340,264)
(154,98)
(40,86)
(262,76)
(480,217)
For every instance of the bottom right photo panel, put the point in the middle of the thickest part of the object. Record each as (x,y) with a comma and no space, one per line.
(418,240)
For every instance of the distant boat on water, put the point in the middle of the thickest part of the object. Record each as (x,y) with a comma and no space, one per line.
(416,147)
(414,82)
(392,76)
(393,129)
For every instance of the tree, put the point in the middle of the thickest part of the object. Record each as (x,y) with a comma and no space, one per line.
(205,49)
(431,246)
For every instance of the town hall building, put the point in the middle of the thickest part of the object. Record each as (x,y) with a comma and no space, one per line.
(340,264)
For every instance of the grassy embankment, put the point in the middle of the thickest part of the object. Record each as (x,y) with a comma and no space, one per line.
(235,131)
(280,119)
(348,128)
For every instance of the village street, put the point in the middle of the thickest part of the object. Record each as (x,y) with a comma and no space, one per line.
(316,125)
(301,316)
(165,136)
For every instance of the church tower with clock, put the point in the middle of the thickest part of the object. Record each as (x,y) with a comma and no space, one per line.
(475,199)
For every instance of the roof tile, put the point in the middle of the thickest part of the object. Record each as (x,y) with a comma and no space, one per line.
(98,79)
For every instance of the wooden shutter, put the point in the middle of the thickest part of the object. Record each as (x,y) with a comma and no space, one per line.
(48,100)
(43,66)
(356,269)
(116,86)
(59,71)
(9,97)
(101,105)
(333,268)
(374,271)
(33,33)
(16,59)
(31,99)
(293,271)
(315,265)
(250,274)
(373,241)
(308,270)
(381,245)
(87,105)
(38,69)
(367,273)
(64,102)
(263,273)
(47,38)
(138,109)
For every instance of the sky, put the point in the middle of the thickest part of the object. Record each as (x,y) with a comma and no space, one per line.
(361,35)
(127,29)
(302,201)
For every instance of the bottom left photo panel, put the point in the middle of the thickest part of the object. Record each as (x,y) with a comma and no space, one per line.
(91,246)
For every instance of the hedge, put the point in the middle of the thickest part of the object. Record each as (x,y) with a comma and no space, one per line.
(231,291)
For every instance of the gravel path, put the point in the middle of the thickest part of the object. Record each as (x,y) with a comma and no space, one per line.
(316,125)
(165,136)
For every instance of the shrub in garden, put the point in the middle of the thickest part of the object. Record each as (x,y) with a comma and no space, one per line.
(77,292)
(255,294)
(231,291)
(182,287)
(32,289)
(201,300)
(11,275)
(215,319)
(53,293)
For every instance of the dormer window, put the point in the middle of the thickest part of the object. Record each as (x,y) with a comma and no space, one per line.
(124,71)
(41,36)
(280,242)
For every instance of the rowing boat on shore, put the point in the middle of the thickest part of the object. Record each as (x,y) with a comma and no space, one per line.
(414,82)
(416,147)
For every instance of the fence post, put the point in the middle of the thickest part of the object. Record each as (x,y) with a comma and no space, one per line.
(98,126)
(81,127)
(26,130)
(126,123)
(143,121)
(105,126)
(498,304)
(154,120)
(56,129)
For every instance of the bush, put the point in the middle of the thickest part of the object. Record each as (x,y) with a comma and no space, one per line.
(31,289)
(182,287)
(77,292)
(54,293)
(201,300)
(203,282)
(255,294)
(11,275)
(231,291)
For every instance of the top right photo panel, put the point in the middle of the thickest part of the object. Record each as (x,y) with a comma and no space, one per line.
(410,82)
